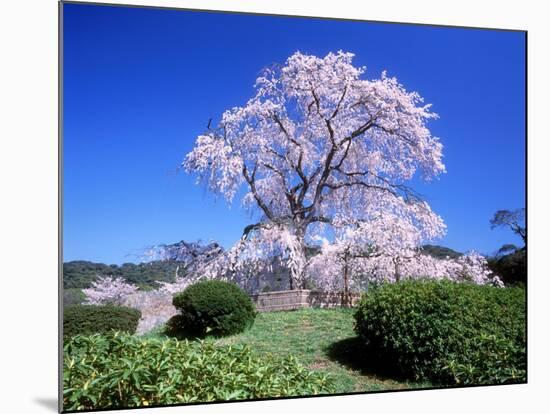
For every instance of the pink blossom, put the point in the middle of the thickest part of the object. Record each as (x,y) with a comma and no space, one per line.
(106,290)
(324,154)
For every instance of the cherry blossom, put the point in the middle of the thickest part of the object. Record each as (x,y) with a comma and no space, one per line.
(108,291)
(327,269)
(324,156)
(177,286)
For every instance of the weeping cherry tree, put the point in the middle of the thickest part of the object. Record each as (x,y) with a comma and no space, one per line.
(325,153)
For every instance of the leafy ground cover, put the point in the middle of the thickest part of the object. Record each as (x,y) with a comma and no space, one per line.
(321,339)
(119,370)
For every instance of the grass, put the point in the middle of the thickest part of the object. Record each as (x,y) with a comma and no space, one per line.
(321,339)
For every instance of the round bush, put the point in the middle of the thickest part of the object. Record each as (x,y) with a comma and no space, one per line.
(90,319)
(214,307)
(433,330)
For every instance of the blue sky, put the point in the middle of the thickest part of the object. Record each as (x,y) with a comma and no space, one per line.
(140,84)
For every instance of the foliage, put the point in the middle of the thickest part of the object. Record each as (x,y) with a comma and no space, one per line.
(80,274)
(321,339)
(90,319)
(175,327)
(493,360)
(419,327)
(512,268)
(73,296)
(215,307)
(321,151)
(123,371)
(108,291)
(510,262)
(506,249)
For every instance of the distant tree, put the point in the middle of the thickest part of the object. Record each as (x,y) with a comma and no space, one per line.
(507,249)
(511,267)
(109,291)
(514,219)
(510,262)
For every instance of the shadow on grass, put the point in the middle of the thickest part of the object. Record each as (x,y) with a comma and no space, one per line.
(351,353)
(175,327)
(181,334)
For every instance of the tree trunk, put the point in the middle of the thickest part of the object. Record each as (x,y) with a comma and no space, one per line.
(346,299)
(397,275)
(297,272)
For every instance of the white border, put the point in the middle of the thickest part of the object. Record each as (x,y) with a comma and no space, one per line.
(28,163)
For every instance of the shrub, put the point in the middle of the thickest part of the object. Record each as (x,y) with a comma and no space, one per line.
(90,319)
(118,370)
(214,307)
(430,330)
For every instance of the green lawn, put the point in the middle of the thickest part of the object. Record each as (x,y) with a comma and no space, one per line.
(321,339)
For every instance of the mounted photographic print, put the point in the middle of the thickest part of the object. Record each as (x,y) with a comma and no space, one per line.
(260,206)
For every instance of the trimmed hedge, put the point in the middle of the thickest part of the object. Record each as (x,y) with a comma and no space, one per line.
(445,331)
(90,319)
(120,371)
(214,307)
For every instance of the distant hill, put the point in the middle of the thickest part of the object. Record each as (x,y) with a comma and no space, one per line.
(80,274)
(440,252)
(165,260)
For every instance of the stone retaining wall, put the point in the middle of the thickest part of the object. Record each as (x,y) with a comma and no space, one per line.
(298,299)
(156,307)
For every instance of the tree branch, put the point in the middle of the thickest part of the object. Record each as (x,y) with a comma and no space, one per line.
(395,133)
(339,103)
(359,183)
(252,184)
